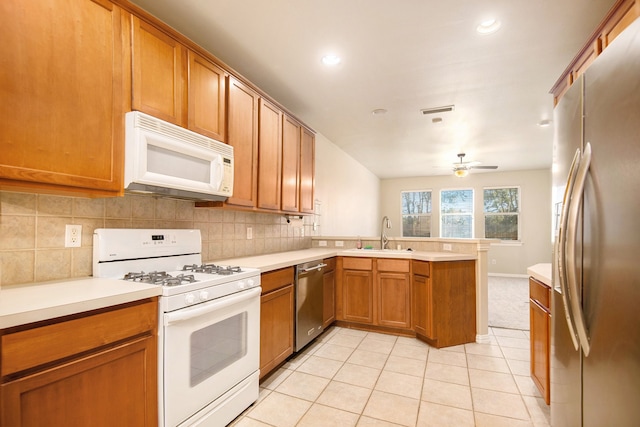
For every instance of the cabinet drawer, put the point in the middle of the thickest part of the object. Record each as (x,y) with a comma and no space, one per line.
(331,264)
(352,263)
(45,344)
(540,292)
(421,268)
(276,279)
(399,265)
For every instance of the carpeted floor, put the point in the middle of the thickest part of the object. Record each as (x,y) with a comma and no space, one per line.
(509,302)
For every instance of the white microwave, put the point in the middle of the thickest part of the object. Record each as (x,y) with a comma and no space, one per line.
(163,158)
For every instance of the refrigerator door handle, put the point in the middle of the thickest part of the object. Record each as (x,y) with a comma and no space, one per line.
(572,269)
(561,249)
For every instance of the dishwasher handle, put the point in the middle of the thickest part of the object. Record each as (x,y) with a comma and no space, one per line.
(315,267)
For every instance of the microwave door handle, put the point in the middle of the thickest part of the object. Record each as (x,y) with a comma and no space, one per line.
(577,196)
(561,254)
(209,307)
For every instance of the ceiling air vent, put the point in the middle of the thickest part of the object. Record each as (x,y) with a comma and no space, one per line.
(438,110)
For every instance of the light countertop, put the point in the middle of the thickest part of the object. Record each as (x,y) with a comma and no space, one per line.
(541,272)
(278,260)
(22,304)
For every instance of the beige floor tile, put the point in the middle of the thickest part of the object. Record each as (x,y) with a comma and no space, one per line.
(483,349)
(411,341)
(320,366)
(405,365)
(303,386)
(382,337)
(448,357)
(372,422)
(513,333)
(368,358)
(519,367)
(271,410)
(276,378)
(434,415)
(362,376)
(377,346)
(513,342)
(486,420)
(449,394)
(454,348)
(345,396)
(538,409)
(447,373)
(295,362)
(526,386)
(393,408)
(356,332)
(324,416)
(335,352)
(499,403)
(401,384)
(345,340)
(511,353)
(488,380)
(487,363)
(248,422)
(410,351)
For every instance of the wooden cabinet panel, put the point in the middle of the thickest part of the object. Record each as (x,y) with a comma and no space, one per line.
(540,326)
(242,135)
(422,303)
(329,294)
(276,279)
(158,72)
(290,164)
(114,387)
(394,299)
(276,328)
(307,171)
(269,155)
(206,94)
(357,287)
(63,96)
(354,263)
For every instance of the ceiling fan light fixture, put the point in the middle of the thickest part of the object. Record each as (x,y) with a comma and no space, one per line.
(461,173)
(489,26)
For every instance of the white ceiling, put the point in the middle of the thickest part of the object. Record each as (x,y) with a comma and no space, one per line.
(403,56)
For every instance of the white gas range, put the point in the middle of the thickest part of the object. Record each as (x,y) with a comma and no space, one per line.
(209,330)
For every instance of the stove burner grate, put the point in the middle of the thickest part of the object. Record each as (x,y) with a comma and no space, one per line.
(160,278)
(212,269)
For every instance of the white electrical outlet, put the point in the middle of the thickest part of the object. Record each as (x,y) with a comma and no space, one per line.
(73,236)
(322,243)
(493,262)
(249,233)
(446,246)
(339,243)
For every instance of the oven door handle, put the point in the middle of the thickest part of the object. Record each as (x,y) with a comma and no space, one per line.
(208,307)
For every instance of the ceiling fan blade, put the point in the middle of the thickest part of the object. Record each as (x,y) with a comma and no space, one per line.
(483,167)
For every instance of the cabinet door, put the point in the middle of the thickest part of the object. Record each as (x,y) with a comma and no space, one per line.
(540,323)
(329,298)
(276,328)
(394,299)
(206,95)
(116,387)
(269,155)
(159,68)
(242,135)
(357,287)
(62,85)
(422,306)
(291,135)
(307,171)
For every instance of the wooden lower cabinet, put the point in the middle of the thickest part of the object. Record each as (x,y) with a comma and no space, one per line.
(356,280)
(329,293)
(276,318)
(97,370)
(393,293)
(540,326)
(444,302)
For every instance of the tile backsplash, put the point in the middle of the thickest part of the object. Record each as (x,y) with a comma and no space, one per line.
(32,229)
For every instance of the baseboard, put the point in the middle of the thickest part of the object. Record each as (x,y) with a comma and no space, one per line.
(515,276)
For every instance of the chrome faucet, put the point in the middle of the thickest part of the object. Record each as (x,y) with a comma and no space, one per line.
(386,222)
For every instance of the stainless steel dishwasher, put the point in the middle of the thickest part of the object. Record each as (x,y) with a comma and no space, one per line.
(308,302)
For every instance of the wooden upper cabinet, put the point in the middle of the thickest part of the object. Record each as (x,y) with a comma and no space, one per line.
(307,170)
(62,91)
(159,67)
(291,136)
(206,95)
(242,135)
(269,155)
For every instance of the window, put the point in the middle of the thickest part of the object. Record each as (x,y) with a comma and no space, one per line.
(501,213)
(456,213)
(416,213)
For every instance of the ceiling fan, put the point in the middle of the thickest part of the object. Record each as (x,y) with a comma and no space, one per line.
(462,168)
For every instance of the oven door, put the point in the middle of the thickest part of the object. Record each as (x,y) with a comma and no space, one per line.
(208,349)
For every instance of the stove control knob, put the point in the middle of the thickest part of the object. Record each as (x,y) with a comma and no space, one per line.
(189,299)
(250,283)
(204,295)
(242,285)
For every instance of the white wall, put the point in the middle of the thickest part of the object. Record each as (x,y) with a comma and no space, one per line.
(348,192)
(535,217)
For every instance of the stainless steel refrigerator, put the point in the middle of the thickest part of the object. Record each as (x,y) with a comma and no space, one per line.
(595,340)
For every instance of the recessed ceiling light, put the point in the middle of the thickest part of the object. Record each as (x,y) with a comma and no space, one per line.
(489,26)
(331,60)
(379,111)
(544,123)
